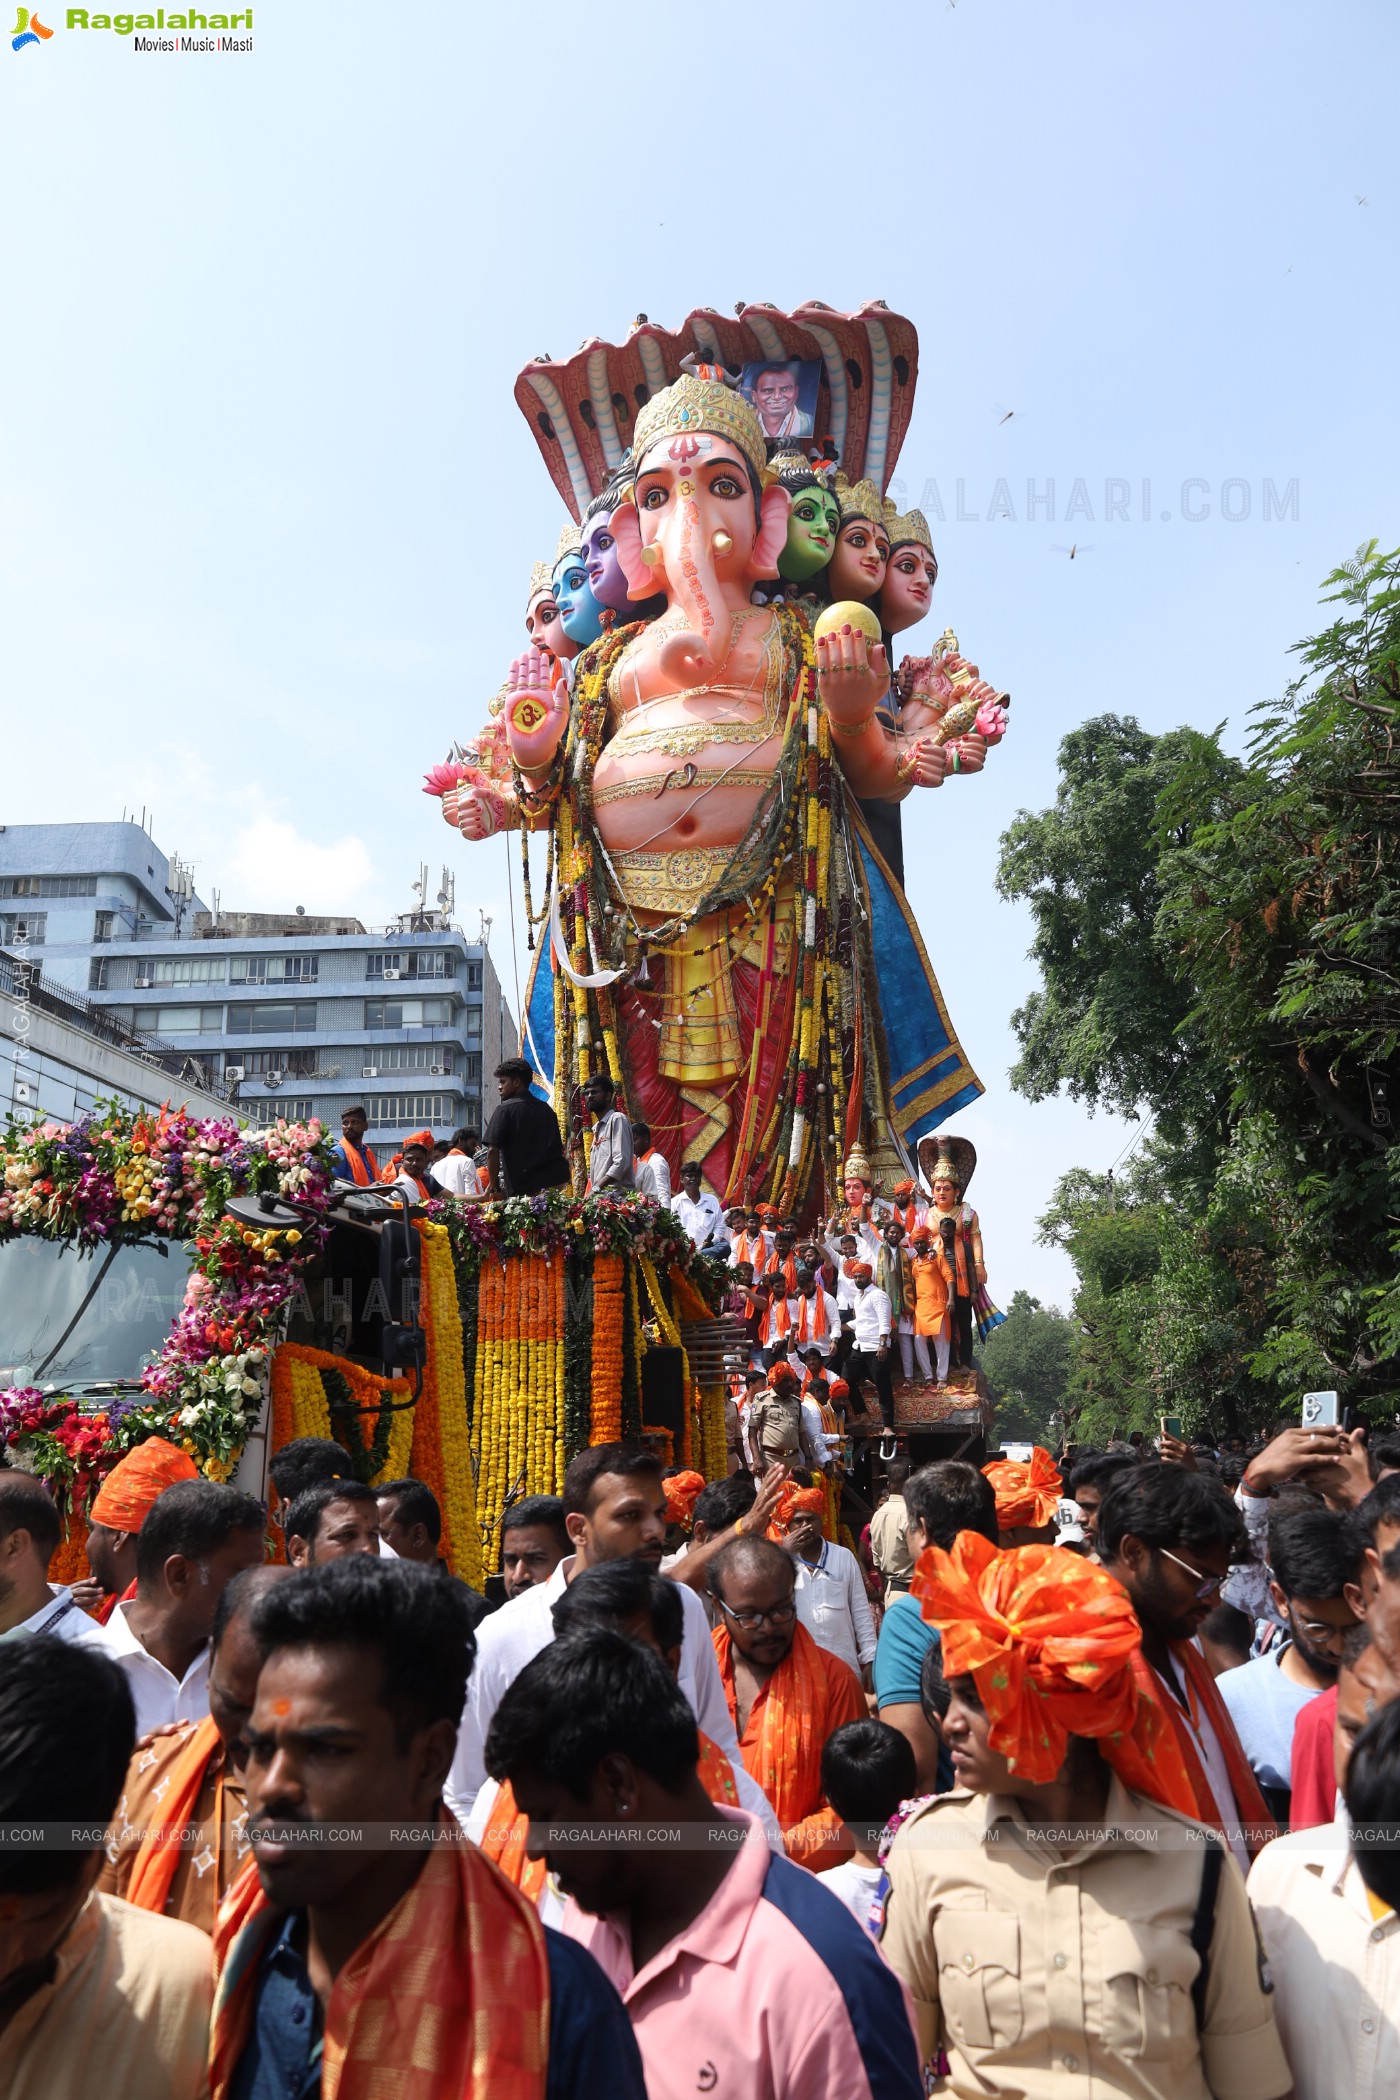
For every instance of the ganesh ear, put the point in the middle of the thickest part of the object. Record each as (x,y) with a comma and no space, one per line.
(772,532)
(627,536)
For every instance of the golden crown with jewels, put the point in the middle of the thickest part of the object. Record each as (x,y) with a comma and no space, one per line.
(907,529)
(570,542)
(540,574)
(691,406)
(859,499)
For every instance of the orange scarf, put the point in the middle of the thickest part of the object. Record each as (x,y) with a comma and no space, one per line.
(449,1995)
(786,1269)
(811,1318)
(754,1250)
(364,1168)
(1258,1824)
(160,1853)
(507,1834)
(808,1696)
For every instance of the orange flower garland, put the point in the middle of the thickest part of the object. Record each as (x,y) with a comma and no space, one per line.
(441,1454)
(300,1407)
(608,1329)
(519,1382)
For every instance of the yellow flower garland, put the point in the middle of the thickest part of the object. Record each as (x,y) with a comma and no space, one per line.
(441,1454)
(300,1408)
(519,1385)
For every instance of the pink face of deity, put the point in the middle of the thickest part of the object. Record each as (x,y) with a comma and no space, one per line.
(545,628)
(695,502)
(908,588)
(945,1194)
(858,564)
(855,1195)
(605,577)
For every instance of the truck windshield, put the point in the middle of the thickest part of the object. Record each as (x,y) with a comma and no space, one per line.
(69,1317)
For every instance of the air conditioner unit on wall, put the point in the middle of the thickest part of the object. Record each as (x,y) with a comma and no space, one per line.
(235,1071)
(369,1071)
(437,1070)
(391,976)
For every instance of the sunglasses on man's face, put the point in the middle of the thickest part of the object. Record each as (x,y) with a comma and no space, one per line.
(1206,1585)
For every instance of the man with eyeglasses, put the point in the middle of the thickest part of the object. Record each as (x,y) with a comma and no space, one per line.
(1313,1556)
(192,1780)
(1169,1536)
(785,1693)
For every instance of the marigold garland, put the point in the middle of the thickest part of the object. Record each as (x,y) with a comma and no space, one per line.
(609,1334)
(441,1453)
(301,1404)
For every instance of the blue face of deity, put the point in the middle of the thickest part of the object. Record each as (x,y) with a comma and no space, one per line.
(579,610)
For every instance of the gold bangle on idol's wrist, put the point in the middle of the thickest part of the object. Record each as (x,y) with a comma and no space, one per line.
(853,728)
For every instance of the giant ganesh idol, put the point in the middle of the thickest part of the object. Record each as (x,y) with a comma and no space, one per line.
(723,935)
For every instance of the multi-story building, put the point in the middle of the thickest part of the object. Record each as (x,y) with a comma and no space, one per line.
(292,1014)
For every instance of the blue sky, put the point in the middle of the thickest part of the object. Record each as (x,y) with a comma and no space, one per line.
(267,507)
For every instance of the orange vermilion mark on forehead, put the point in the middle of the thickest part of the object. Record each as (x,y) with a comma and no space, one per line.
(281,1707)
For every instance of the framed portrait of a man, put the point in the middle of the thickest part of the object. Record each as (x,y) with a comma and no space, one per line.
(785,395)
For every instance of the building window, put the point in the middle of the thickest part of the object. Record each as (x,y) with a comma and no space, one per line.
(407,1057)
(184,1020)
(179,970)
(48,886)
(280,1018)
(298,1110)
(103,925)
(472,1020)
(411,1111)
(97,974)
(295,1064)
(23,928)
(424,962)
(376,965)
(471,1069)
(473,976)
(274,969)
(407,1013)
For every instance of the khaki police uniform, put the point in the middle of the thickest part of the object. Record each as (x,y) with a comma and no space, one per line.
(1054,1974)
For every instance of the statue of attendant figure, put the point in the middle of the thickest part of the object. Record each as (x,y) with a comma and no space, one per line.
(948,1164)
(692,786)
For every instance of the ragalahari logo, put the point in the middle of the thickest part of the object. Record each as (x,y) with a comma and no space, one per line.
(28,30)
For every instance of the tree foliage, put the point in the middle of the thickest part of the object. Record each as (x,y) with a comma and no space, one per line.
(1219,946)
(1027,1362)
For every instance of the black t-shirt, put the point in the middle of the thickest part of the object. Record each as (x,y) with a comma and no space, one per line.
(525,1131)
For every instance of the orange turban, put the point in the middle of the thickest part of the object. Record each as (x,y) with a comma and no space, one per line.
(124,1500)
(1049,1641)
(780,1375)
(420,1137)
(1027,1491)
(838,1390)
(902,1188)
(682,1490)
(860,1272)
(796,1502)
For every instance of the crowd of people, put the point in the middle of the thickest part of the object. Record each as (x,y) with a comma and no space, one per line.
(1091,1789)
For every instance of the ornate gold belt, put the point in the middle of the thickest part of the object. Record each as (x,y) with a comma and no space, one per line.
(670,882)
(655,783)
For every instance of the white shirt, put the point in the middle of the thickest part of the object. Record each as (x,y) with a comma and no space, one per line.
(158,1697)
(855,1886)
(516,1633)
(833,1606)
(61,1620)
(457,1175)
(818,1447)
(872,1321)
(1218,1774)
(654,1177)
(610,1156)
(703,1219)
(1336,1968)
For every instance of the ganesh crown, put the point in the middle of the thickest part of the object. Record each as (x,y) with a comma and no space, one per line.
(859,499)
(693,405)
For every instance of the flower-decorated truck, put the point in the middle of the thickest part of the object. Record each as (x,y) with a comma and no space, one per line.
(184,1277)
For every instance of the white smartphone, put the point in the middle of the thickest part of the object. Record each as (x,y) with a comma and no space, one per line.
(1320,1411)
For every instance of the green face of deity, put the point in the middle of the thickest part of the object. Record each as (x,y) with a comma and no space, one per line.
(813,523)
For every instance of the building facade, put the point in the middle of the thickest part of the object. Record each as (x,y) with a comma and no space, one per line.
(290,1015)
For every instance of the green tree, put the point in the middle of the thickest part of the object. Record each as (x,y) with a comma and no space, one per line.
(1219,947)
(1027,1361)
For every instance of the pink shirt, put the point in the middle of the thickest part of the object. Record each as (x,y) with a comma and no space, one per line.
(773,1993)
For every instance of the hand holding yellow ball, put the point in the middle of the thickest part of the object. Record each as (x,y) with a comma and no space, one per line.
(853,675)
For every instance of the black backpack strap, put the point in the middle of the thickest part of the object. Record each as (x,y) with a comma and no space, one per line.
(1203,1924)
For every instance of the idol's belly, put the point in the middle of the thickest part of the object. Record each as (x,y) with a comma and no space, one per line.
(688,795)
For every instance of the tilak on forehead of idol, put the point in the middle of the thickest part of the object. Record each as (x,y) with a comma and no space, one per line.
(580,614)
